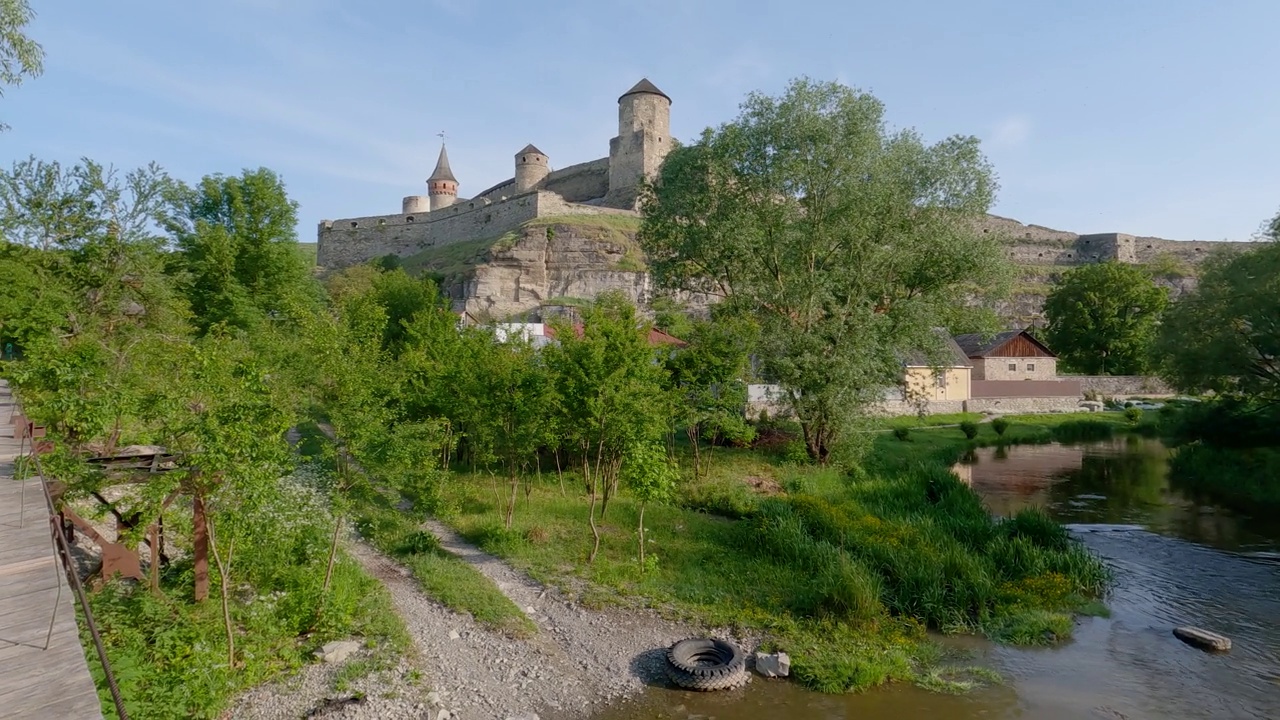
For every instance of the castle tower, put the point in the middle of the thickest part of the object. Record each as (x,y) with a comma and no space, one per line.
(442,186)
(531,168)
(644,139)
(415,204)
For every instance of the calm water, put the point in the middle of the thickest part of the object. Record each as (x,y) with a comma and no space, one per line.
(1178,561)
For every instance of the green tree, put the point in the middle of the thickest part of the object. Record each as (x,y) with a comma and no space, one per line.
(20,56)
(609,392)
(238,249)
(707,379)
(1225,336)
(847,241)
(651,476)
(1102,318)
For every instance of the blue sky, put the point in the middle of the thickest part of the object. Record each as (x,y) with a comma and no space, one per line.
(1148,117)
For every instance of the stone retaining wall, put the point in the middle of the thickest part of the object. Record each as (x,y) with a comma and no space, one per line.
(1123,385)
(1020,405)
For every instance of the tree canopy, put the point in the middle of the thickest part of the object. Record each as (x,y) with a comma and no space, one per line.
(1103,318)
(1225,336)
(847,240)
(20,56)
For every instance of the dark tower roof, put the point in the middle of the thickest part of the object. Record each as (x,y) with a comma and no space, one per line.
(644,87)
(442,171)
(531,149)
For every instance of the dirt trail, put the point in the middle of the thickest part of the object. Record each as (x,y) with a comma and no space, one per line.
(580,660)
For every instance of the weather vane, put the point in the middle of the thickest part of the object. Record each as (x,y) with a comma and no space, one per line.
(441,134)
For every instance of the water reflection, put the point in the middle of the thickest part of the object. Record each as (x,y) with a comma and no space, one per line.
(1178,560)
(1124,481)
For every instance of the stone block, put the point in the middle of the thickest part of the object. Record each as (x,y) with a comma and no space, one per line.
(773,664)
(337,651)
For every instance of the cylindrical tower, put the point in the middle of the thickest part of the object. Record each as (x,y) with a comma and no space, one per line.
(442,186)
(644,139)
(415,204)
(531,168)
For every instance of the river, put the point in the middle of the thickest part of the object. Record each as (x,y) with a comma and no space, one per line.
(1178,561)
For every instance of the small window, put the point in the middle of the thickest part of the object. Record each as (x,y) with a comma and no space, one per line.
(1031,367)
(940,379)
(354,224)
(409,219)
(1013,367)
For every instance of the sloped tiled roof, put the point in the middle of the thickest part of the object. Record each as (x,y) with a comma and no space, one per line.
(953,356)
(530,149)
(644,86)
(442,171)
(977,345)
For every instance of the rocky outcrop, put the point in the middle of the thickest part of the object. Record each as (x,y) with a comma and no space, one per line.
(552,263)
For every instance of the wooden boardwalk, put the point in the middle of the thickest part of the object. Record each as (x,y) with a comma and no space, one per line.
(35,681)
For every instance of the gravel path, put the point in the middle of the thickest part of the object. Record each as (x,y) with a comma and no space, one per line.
(580,661)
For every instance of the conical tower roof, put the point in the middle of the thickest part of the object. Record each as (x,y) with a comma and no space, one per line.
(644,86)
(530,148)
(442,171)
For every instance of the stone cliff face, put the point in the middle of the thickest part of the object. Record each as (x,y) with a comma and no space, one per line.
(551,263)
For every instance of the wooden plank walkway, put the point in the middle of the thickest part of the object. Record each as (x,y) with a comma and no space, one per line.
(35,681)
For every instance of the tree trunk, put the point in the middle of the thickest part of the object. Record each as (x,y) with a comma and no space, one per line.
(692,431)
(559,471)
(641,537)
(154,533)
(224,587)
(333,556)
(515,495)
(200,547)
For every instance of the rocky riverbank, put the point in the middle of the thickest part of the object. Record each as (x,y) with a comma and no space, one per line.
(579,661)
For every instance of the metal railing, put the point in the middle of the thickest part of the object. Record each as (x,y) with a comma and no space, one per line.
(63,548)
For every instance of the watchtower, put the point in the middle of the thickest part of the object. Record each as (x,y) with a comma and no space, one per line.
(531,167)
(442,186)
(644,139)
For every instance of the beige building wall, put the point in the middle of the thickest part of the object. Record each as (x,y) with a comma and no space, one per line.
(923,383)
(1015,368)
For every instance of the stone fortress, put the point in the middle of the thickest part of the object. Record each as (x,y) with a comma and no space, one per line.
(605,186)
(543,236)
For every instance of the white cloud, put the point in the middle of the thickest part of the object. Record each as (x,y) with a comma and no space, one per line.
(1011,132)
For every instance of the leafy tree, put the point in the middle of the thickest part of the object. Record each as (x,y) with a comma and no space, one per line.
(706,377)
(847,241)
(510,419)
(1102,318)
(1225,336)
(609,392)
(20,56)
(238,249)
(651,476)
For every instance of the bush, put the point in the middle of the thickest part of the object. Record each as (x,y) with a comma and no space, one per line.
(903,434)
(1000,425)
(969,428)
(1133,415)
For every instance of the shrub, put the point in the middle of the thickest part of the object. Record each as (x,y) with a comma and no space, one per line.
(969,428)
(1133,415)
(1083,431)
(903,434)
(1000,425)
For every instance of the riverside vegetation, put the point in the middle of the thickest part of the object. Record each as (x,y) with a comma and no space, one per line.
(145,310)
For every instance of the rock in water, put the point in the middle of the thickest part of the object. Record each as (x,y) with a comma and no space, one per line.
(773,664)
(337,651)
(1203,639)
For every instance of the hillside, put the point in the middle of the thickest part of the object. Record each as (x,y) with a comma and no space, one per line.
(548,261)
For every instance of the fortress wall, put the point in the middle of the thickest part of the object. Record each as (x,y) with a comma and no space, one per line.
(354,240)
(506,188)
(1147,249)
(584,181)
(552,204)
(1014,230)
